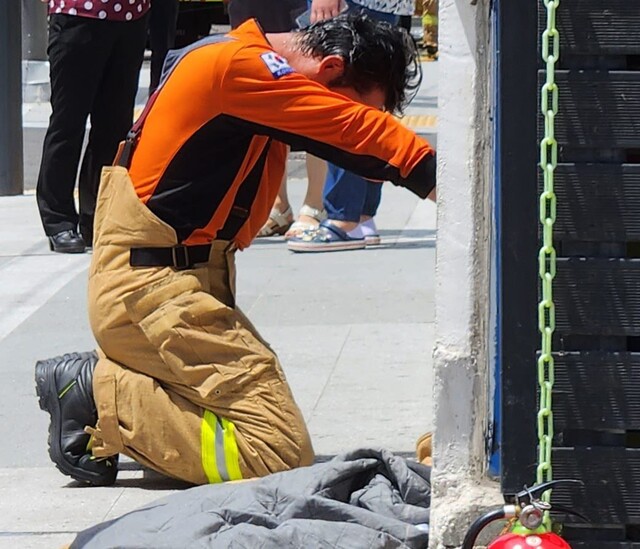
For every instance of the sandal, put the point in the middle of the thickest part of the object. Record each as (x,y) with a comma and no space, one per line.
(277,224)
(367,230)
(325,238)
(300,227)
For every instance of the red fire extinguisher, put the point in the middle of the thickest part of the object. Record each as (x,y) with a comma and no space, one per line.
(528,531)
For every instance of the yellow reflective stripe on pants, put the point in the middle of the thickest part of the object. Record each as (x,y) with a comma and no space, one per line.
(219,449)
(231,450)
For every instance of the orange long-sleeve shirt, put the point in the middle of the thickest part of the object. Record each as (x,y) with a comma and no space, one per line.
(219,126)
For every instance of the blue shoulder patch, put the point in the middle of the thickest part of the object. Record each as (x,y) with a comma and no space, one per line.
(276,64)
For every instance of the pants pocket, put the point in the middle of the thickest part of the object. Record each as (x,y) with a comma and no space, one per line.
(107,439)
(194,334)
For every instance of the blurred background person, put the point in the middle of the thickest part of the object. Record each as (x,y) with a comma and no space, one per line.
(162,36)
(428,9)
(95,52)
(351,202)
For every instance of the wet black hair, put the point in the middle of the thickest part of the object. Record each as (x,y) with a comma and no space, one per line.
(376,55)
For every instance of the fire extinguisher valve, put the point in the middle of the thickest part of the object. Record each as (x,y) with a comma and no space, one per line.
(532,515)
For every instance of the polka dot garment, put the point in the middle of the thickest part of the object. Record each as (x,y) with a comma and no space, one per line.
(111,10)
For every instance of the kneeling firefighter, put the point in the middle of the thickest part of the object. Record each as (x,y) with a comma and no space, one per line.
(184,384)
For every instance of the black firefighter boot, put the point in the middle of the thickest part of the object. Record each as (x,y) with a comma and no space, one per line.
(64,387)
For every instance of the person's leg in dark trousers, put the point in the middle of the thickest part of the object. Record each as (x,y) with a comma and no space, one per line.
(372,199)
(344,194)
(111,113)
(162,35)
(76,58)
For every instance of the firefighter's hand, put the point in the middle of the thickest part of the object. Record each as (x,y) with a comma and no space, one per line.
(325,9)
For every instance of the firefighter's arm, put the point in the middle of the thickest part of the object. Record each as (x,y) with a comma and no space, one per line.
(273,100)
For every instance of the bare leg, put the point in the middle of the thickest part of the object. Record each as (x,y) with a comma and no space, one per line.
(282,200)
(281,216)
(312,211)
(316,174)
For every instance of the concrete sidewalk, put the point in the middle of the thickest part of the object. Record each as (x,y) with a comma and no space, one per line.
(353,331)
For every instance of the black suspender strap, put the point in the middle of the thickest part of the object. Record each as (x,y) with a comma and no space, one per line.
(171,61)
(130,142)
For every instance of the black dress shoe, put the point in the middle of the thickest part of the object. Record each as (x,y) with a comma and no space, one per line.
(67,242)
(64,387)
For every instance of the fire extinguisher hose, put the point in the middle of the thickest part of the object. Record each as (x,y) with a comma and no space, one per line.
(479,525)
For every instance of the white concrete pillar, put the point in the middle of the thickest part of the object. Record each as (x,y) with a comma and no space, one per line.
(462,371)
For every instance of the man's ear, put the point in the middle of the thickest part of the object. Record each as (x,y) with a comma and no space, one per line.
(331,68)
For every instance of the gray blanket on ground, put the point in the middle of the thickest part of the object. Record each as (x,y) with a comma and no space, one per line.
(362,499)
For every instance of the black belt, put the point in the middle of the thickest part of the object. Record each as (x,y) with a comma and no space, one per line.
(179,257)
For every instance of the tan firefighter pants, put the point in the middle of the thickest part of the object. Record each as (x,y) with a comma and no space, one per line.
(184,384)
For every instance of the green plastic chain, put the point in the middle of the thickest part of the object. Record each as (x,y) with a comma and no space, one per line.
(547,254)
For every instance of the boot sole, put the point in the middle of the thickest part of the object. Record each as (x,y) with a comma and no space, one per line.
(49,402)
